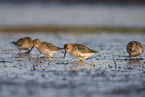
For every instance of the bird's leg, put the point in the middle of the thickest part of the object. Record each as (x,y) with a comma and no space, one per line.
(137,58)
(50,58)
(81,60)
(130,56)
(21,50)
(46,56)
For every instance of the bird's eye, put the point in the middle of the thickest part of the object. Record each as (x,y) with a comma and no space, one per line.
(67,48)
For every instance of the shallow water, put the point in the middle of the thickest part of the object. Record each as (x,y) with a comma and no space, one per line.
(109,73)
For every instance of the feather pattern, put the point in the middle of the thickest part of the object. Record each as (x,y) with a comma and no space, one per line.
(24,43)
(134,48)
(46,48)
(79,51)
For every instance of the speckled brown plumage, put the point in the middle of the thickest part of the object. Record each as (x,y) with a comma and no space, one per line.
(46,48)
(79,51)
(24,43)
(134,48)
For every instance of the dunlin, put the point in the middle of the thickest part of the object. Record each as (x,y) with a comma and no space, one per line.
(24,43)
(134,48)
(79,51)
(46,48)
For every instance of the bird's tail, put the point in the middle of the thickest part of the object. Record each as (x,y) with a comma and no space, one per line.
(15,43)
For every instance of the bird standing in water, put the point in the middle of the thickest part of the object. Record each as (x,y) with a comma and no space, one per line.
(134,48)
(24,43)
(79,51)
(45,48)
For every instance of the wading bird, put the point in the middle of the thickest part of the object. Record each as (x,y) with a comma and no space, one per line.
(134,48)
(79,51)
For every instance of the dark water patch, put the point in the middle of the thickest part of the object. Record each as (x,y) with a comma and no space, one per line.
(4,61)
(120,91)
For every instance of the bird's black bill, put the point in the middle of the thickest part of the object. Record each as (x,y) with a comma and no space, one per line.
(64,54)
(97,52)
(30,49)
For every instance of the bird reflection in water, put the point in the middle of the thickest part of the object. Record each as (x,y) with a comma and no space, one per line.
(23,56)
(77,65)
(134,64)
(46,63)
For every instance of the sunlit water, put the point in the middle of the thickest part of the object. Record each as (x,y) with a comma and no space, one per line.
(34,75)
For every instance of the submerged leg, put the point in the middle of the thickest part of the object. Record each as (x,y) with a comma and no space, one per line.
(46,56)
(130,56)
(21,50)
(137,58)
(81,60)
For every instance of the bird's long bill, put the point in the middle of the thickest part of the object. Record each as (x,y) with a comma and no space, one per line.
(31,49)
(64,54)
(97,51)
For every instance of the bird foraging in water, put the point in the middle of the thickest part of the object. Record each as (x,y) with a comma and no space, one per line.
(24,43)
(45,48)
(79,51)
(134,48)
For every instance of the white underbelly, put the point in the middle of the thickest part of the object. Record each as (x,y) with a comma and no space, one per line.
(81,55)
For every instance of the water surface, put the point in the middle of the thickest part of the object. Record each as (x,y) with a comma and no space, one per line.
(109,73)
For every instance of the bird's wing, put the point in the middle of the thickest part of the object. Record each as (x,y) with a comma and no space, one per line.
(20,42)
(49,46)
(82,48)
(139,44)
